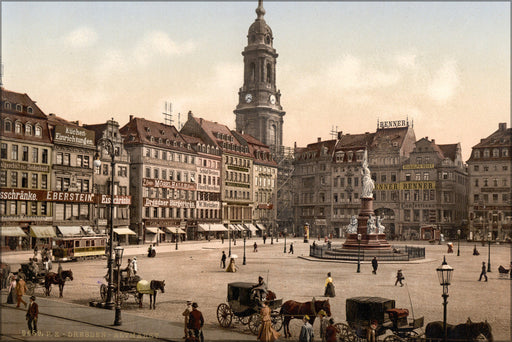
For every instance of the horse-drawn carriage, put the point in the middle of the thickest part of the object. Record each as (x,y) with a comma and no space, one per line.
(241,306)
(369,317)
(32,279)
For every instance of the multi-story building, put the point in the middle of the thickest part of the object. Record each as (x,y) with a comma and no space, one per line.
(72,176)
(490,204)
(162,181)
(25,172)
(102,185)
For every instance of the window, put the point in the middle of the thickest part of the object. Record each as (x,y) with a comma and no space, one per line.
(66,159)
(35,155)
(123,171)
(495,152)
(24,180)
(155,155)
(79,159)
(3,153)
(486,153)
(14,152)
(28,129)
(17,128)
(38,131)
(35,179)
(8,126)
(408,177)
(58,159)
(44,156)
(425,175)
(156,173)
(3,178)
(44,181)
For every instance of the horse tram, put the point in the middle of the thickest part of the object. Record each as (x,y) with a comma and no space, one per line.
(246,310)
(371,317)
(79,247)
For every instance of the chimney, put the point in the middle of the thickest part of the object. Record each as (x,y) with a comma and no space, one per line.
(502,126)
(319,139)
(433,141)
(131,117)
(190,114)
(295,144)
(426,137)
(340,134)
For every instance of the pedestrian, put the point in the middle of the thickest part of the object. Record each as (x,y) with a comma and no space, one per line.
(255,247)
(330,332)
(399,278)
(11,289)
(370,333)
(222,238)
(475,251)
(231,267)
(483,273)
(291,248)
(375,264)
(267,333)
(32,313)
(306,332)
(324,321)
(186,314)
(223,260)
(59,272)
(264,238)
(134,265)
(196,322)
(21,288)
(329,286)
(129,269)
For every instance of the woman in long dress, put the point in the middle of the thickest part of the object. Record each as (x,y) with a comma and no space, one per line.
(11,297)
(329,286)
(267,333)
(231,267)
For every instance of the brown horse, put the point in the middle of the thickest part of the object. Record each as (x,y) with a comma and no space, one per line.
(53,278)
(154,285)
(292,309)
(468,331)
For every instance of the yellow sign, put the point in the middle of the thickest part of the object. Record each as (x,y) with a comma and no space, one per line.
(418,166)
(406,186)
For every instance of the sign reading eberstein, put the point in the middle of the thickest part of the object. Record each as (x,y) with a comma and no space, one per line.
(74,136)
(59,196)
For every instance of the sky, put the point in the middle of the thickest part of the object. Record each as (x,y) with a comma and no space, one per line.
(342,65)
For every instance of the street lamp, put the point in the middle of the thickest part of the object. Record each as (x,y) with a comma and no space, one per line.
(97,163)
(358,253)
(176,238)
(458,242)
(489,236)
(244,234)
(444,273)
(229,239)
(271,233)
(284,250)
(119,259)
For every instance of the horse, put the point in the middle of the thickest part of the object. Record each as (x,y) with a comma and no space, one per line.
(145,287)
(292,309)
(468,331)
(53,278)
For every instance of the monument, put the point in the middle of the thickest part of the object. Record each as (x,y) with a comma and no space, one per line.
(366,224)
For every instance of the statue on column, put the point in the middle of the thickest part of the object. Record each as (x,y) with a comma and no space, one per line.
(370,225)
(352,227)
(368,184)
(380,227)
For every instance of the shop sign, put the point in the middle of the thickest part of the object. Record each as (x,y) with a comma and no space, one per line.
(76,136)
(418,166)
(208,205)
(118,199)
(406,186)
(205,171)
(320,222)
(158,202)
(169,184)
(393,124)
(206,187)
(8,165)
(161,222)
(12,194)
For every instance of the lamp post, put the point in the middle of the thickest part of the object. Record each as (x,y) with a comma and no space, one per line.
(229,239)
(176,238)
(245,235)
(284,250)
(119,259)
(97,163)
(489,235)
(458,242)
(358,253)
(271,233)
(444,273)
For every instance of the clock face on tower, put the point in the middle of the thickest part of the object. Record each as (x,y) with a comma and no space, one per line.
(248,98)
(272,99)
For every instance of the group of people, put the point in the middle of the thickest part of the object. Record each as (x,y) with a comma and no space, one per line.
(327,329)
(194,322)
(231,267)
(16,290)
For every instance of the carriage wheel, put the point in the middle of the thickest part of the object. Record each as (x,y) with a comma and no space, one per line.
(103,292)
(277,321)
(394,338)
(244,319)
(254,323)
(224,315)
(30,288)
(345,333)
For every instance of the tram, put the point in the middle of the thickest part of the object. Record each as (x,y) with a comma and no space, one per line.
(79,247)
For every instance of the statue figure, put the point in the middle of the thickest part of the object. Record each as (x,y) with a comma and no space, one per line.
(352,227)
(370,225)
(368,184)
(379,225)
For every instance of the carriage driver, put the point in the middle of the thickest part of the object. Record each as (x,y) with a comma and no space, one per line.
(259,291)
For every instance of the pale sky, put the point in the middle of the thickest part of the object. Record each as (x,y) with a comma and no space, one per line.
(446,66)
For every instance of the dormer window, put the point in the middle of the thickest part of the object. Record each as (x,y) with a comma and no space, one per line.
(17,128)
(477,154)
(8,125)
(167,142)
(30,110)
(7,105)
(160,140)
(162,132)
(19,108)
(175,143)
(37,131)
(147,129)
(28,129)
(152,139)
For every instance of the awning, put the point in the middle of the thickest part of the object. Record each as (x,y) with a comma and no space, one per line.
(42,232)
(218,228)
(124,231)
(251,227)
(12,231)
(70,230)
(233,227)
(203,227)
(153,230)
(88,230)
(260,226)
(172,230)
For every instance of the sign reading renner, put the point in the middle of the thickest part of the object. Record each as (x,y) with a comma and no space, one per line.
(74,136)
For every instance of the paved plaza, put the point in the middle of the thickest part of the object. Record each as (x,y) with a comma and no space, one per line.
(193,273)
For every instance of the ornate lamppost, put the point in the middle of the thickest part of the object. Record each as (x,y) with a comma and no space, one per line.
(444,273)
(97,163)
(229,239)
(489,236)
(119,259)
(271,233)
(458,242)
(285,231)
(245,235)
(176,238)
(358,253)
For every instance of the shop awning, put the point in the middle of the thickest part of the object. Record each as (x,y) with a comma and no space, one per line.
(233,227)
(261,226)
(203,227)
(218,228)
(70,230)
(172,230)
(12,231)
(251,227)
(124,231)
(153,230)
(88,230)
(41,232)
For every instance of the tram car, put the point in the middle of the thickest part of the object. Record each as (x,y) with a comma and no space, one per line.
(79,247)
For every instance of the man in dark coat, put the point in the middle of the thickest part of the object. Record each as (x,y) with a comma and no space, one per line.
(223,260)
(483,273)
(196,322)
(375,264)
(32,313)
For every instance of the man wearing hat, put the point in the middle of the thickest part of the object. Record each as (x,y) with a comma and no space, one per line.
(306,332)
(186,314)
(32,312)
(399,278)
(259,291)
(196,322)
(324,322)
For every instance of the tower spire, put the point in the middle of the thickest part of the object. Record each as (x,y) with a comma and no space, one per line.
(260,11)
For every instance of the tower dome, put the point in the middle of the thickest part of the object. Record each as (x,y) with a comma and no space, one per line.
(259,31)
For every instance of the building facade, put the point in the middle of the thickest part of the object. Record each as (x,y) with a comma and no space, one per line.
(490,204)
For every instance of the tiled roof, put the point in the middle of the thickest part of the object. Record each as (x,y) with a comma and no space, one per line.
(23,99)
(256,146)
(449,150)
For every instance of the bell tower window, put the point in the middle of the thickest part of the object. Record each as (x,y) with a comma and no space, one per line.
(269,73)
(253,72)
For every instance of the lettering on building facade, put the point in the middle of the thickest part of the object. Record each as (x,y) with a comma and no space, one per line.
(158,202)
(169,184)
(74,135)
(405,186)
(418,166)
(11,194)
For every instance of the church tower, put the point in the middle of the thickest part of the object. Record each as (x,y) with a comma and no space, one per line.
(259,112)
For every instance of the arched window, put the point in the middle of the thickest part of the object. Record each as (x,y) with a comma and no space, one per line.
(7,105)
(8,125)
(19,107)
(28,129)
(252,72)
(17,127)
(269,73)
(38,131)
(272,139)
(30,110)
